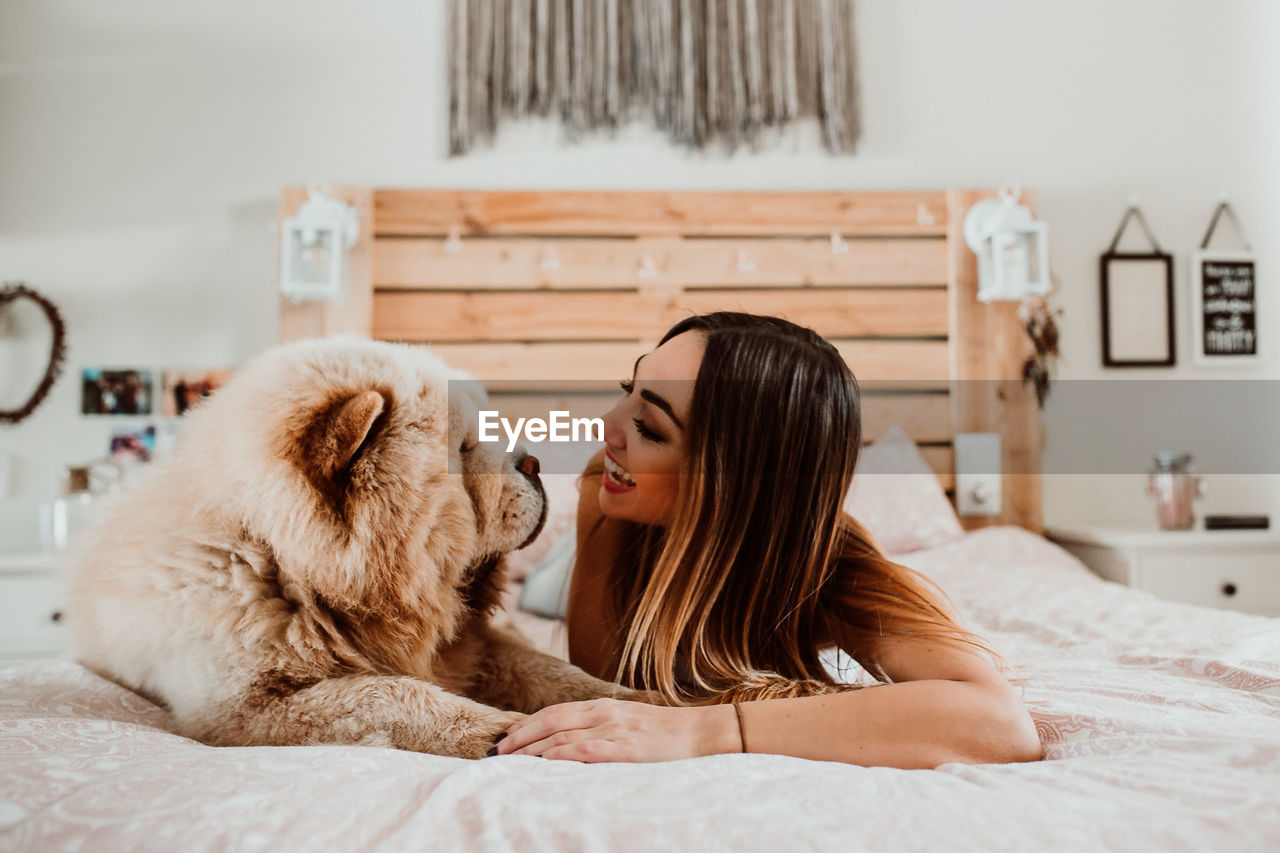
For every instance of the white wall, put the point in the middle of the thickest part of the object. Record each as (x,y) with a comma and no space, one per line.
(143,144)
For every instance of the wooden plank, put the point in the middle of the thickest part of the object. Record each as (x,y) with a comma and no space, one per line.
(924,417)
(988,346)
(920,363)
(526,316)
(353,314)
(411,212)
(500,263)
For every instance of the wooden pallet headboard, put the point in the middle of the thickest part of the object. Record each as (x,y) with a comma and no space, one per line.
(570,287)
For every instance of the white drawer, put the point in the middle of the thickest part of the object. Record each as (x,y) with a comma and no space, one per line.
(1248,582)
(31,620)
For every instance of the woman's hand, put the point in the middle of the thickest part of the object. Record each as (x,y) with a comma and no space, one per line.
(613,730)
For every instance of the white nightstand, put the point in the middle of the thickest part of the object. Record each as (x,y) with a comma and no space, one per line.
(1237,569)
(31,601)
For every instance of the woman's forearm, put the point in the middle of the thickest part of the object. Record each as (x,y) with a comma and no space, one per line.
(914,724)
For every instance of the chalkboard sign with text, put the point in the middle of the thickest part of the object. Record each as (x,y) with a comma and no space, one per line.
(1225,310)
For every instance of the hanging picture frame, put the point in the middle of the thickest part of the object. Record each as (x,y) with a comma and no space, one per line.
(1224,300)
(1137,302)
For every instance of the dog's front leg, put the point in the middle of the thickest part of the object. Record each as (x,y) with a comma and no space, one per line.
(512,674)
(396,711)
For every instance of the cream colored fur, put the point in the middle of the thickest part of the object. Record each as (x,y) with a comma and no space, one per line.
(317,561)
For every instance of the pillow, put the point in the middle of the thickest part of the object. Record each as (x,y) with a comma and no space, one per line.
(546,589)
(896,496)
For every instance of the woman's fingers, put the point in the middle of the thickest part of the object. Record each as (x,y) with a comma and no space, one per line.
(545,724)
(592,751)
(560,742)
(614,730)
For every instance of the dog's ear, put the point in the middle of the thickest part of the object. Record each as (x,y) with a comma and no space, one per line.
(332,438)
(349,425)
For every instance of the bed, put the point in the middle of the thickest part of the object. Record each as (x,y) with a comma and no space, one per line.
(1160,722)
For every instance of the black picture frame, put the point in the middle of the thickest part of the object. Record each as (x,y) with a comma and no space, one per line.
(1114,354)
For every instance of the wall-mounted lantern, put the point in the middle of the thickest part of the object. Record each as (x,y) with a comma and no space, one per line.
(314,248)
(1012,248)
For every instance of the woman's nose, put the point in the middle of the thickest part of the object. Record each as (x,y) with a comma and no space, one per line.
(614,434)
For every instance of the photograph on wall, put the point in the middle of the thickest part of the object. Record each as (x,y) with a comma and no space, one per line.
(115,392)
(132,444)
(186,388)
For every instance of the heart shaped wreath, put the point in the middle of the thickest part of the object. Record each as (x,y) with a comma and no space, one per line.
(57,350)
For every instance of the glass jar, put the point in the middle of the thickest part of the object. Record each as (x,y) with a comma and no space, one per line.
(1174,486)
(64,517)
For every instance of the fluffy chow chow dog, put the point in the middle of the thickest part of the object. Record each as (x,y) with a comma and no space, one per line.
(317,561)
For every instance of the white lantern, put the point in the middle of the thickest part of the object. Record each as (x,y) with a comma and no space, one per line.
(1012,248)
(314,248)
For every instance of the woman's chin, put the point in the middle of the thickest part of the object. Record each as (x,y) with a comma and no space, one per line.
(619,508)
(612,504)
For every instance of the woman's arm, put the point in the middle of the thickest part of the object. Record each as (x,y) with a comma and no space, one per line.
(946,704)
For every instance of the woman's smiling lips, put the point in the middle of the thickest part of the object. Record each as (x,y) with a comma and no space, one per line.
(615,480)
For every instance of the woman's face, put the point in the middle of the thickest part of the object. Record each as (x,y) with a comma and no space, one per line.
(644,433)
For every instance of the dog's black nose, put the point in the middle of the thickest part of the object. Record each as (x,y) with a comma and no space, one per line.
(529,465)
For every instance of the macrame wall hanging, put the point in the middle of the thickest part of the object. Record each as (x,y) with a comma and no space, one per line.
(710,73)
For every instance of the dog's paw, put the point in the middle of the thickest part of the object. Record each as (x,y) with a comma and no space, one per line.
(490,732)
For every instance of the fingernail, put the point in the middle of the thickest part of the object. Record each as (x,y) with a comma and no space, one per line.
(494,749)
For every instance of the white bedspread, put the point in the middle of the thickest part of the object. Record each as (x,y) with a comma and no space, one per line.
(1160,722)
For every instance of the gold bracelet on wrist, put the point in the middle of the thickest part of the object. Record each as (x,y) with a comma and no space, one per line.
(742,728)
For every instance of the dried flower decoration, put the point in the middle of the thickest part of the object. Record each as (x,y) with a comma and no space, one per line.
(1037,318)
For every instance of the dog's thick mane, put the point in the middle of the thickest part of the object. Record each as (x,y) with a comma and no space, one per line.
(396,628)
(482,593)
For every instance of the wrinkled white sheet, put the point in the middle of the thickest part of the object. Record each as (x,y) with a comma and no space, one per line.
(1160,722)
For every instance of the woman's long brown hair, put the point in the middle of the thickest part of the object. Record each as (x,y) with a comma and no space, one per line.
(759,567)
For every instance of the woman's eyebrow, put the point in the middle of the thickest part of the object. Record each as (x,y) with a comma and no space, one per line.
(652,397)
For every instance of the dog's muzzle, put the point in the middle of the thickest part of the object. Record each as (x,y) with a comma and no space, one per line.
(529,466)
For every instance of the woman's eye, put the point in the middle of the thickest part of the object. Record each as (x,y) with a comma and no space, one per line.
(626,386)
(645,432)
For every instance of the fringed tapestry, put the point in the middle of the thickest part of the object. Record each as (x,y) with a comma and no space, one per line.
(709,72)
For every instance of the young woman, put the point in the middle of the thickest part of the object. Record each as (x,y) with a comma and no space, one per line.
(714,562)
